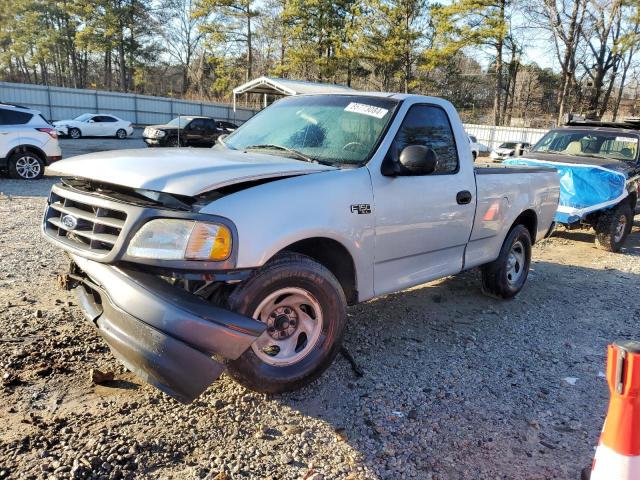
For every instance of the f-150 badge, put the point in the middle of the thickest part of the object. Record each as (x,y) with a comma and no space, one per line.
(361,209)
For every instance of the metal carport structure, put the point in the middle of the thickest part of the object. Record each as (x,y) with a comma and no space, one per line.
(284,87)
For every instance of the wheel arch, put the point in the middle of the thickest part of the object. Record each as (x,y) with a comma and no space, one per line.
(334,256)
(28,148)
(633,200)
(529,219)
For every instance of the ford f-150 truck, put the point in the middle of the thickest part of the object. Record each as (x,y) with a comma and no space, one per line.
(244,257)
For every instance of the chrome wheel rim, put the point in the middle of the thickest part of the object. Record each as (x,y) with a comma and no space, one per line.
(28,166)
(121,133)
(294,324)
(515,262)
(75,133)
(620,228)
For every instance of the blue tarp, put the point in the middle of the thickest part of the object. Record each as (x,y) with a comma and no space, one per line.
(583,188)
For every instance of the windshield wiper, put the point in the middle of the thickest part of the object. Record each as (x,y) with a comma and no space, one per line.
(296,153)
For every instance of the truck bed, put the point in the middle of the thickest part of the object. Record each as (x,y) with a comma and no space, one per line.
(502,193)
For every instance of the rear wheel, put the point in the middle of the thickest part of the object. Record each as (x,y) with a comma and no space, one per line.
(304,308)
(506,276)
(613,227)
(121,134)
(26,166)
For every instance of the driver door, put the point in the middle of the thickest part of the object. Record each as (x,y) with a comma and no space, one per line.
(423,222)
(92,127)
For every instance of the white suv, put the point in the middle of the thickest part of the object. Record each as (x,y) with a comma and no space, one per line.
(28,143)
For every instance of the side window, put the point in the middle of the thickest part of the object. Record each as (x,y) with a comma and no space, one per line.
(429,126)
(210,124)
(104,118)
(13,117)
(197,124)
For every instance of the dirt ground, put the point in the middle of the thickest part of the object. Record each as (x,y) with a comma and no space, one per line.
(456,385)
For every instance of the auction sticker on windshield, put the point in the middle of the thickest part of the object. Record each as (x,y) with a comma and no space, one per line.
(365,109)
(627,139)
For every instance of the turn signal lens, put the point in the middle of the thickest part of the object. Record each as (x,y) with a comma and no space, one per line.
(208,241)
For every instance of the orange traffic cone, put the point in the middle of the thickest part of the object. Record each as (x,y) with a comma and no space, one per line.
(618,453)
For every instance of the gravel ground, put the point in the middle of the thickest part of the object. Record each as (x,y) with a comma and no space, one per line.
(456,385)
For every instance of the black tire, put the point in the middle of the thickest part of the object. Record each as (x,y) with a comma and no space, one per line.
(613,226)
(26,166)
(75,133)
(174,142)
(290,270)
(475,156)
(121,134)
(498,279)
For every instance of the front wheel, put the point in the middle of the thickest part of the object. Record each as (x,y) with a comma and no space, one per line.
(75,133)
(505,276)
(304,308)
(26,166)
(613,227)
(175,142)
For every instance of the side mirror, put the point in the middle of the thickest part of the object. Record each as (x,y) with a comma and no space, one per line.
(91,120)
(418,160)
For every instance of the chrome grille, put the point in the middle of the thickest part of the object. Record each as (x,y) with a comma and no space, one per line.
(80,223)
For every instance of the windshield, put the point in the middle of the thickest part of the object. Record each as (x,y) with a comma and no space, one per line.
(180,122)
(508,145)
(590,143)
(84,117)
(333,129)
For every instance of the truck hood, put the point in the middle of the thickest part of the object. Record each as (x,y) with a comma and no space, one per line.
(182,171)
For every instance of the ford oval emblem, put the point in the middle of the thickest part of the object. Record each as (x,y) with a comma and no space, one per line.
(70,222)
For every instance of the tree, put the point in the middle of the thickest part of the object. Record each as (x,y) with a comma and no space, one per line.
(230,23)
(564,19)
(391,42)
(603,40)
(467,23)
(181,30)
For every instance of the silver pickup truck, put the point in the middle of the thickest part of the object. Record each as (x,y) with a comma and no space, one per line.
(245,256)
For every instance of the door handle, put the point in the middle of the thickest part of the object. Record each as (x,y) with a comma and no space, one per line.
(464,197)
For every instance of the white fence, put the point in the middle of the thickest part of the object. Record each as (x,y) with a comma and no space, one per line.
(493,136)
(58,103)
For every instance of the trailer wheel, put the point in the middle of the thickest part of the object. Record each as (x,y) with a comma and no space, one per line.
(505,276)
(613,226)
(304,308)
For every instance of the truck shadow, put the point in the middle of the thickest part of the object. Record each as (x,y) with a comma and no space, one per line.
(455,382)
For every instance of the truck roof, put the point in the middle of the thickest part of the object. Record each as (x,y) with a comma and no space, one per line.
(624,128)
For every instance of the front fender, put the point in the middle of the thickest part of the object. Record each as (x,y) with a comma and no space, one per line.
(330,204)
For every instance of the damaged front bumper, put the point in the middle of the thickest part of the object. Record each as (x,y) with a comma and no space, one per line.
(162,333)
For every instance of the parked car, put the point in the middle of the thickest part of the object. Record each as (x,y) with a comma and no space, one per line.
(251,250)
(599,168)
(187,131)
(508,149)
(94,125)
(28,143)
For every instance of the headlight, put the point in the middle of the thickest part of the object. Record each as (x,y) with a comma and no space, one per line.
(172,239)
